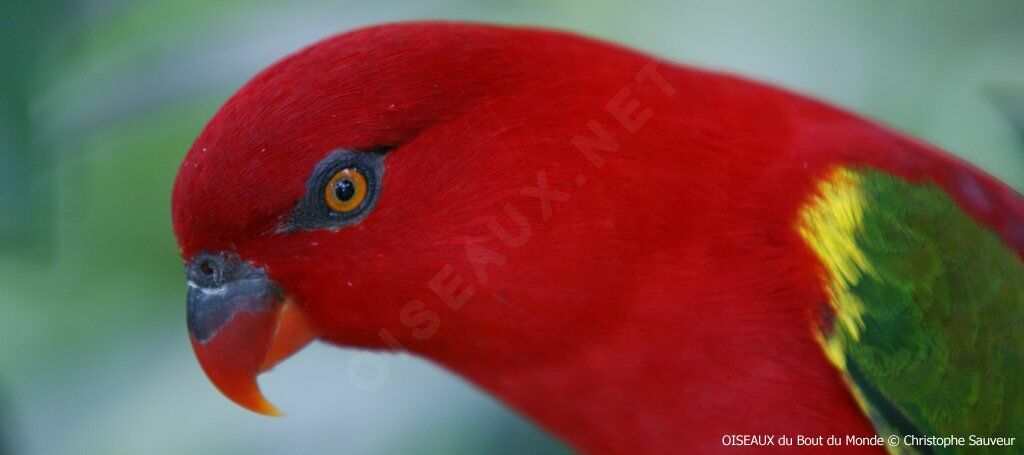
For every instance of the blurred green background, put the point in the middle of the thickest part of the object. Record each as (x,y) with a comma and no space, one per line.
(100,99)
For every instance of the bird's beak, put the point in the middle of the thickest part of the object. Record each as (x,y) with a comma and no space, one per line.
(241,325)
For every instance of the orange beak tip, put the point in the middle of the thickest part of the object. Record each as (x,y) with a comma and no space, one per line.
(267,409)
(250,397)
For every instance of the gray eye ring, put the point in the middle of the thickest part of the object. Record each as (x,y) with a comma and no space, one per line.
(311,211)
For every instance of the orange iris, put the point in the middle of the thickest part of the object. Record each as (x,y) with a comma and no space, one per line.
(346,190)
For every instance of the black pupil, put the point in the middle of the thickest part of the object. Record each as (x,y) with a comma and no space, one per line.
(344,189)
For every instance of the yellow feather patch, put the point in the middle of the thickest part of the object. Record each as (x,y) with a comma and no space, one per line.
(829,224)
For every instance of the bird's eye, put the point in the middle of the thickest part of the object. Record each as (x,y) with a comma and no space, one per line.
(346,190)
(340,192)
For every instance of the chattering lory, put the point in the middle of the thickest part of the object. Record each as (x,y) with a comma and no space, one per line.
(635,254)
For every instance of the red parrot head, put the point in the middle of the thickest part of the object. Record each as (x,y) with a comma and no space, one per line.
(389,188)
(313,205)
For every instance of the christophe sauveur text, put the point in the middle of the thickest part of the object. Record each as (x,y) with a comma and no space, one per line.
(853,440)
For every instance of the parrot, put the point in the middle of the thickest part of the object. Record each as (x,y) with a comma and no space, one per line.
(635,254)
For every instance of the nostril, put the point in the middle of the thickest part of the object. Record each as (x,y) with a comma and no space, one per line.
(207,268)
(210,269)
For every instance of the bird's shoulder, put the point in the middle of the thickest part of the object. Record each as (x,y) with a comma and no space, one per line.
(925,305)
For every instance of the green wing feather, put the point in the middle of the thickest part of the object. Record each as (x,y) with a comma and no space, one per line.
(927,305)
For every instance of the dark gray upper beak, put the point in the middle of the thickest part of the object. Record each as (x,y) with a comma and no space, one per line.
(219,286)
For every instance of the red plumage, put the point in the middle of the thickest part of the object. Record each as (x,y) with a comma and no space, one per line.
(657,301)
